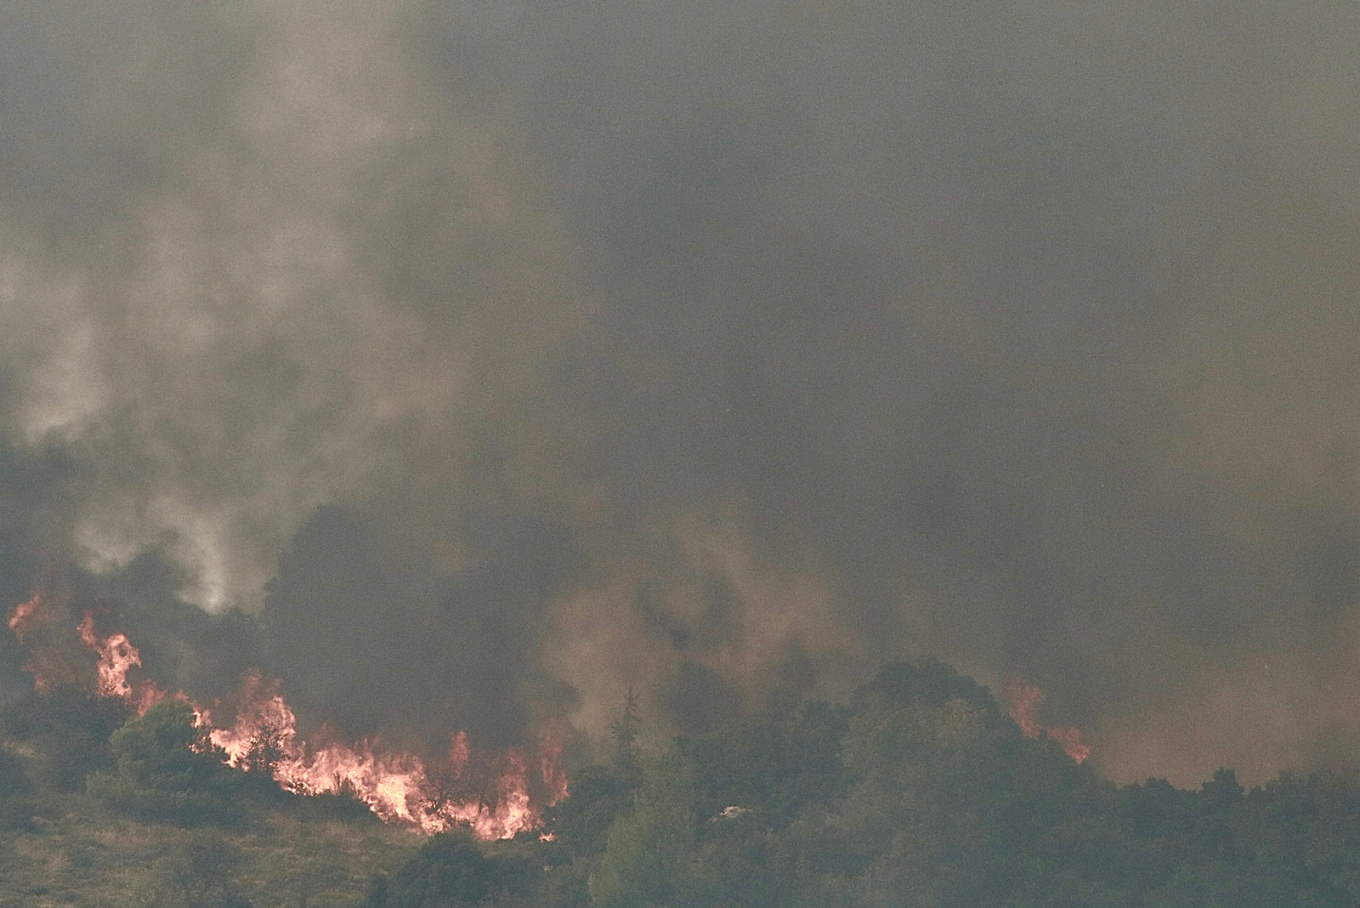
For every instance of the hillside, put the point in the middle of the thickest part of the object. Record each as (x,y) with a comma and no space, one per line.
(77,853)
(919,791)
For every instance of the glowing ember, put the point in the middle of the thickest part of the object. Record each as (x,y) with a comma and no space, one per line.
(1025,698)
(25,615)
(1069,736)
(263,737)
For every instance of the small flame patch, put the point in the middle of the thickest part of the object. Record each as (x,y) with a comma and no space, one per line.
(1026,698)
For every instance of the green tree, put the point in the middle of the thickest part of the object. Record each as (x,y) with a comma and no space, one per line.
(599,794)
(649,852)
(773,767)
(67,732)
(452,871)
(626,729)
(167,769)
(579,823)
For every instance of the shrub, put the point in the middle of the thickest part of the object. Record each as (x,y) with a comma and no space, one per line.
(451,871)
(167,769)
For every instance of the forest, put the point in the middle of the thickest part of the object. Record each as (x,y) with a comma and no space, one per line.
(918,791)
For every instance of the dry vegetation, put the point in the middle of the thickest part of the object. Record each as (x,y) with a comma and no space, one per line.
(80,855)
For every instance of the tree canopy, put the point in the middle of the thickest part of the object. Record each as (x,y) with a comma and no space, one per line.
(166,768)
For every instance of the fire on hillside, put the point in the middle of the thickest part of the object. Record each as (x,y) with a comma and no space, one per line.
(257,731)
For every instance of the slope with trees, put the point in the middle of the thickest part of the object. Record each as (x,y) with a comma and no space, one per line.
(918,791)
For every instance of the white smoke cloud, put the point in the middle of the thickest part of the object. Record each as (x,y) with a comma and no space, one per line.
(225,362)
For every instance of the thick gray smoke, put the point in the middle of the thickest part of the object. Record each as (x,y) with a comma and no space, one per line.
(502,356)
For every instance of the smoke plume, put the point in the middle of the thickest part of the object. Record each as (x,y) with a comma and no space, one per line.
(497,358)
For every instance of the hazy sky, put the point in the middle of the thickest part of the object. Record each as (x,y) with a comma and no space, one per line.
(502,355)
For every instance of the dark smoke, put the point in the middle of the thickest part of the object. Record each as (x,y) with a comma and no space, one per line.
(500,357)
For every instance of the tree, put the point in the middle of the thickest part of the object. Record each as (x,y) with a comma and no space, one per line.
(599,794)
(265,750)
(68,731)
(649,851)
(627,763)
(451,871)
(579,823)
(167,769)
(930,683)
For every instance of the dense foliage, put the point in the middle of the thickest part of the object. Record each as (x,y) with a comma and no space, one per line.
(917,792)
(167,769)
(921,793)
(452,871)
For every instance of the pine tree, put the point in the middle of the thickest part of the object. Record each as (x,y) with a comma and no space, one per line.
(627,762)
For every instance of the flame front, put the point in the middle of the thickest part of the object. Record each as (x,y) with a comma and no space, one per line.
(263,737)
(398,788)
(1025,698)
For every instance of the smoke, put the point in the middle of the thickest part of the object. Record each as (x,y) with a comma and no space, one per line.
(224,356)
(502,357)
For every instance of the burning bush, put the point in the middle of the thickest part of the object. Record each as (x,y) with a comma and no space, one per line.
(168,769)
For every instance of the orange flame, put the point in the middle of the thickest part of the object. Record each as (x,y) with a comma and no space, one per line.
(1026,698)
(398,787)
(25,615)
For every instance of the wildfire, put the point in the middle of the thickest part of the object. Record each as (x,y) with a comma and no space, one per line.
(399,788)
(1025,698)
(117,656)
(23,616)
(263,737)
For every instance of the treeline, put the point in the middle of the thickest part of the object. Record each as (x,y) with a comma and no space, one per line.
(920,792)
(917,792)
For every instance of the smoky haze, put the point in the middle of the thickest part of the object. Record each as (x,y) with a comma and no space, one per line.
(502,356)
